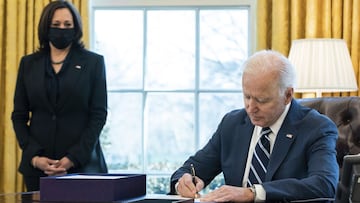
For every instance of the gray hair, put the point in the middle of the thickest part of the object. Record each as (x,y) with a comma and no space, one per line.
(269,60)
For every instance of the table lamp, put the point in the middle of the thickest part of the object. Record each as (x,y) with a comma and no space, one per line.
(322,65)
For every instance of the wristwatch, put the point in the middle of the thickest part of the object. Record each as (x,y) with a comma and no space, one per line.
(253,190)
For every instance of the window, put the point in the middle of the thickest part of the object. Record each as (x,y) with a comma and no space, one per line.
(173,71)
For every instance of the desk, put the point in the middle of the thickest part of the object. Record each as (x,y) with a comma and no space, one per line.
(24,197)
(33,197)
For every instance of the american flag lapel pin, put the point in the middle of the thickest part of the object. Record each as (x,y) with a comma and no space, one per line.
(78,67)
(290,136)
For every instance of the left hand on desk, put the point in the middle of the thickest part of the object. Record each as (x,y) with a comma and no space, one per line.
(228,193)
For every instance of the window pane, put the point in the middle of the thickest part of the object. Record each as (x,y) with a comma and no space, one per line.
(122,135)
(213,107)
(157,184)
(223,48)
(169,130)
(119,37)
(172,74)
(170,51)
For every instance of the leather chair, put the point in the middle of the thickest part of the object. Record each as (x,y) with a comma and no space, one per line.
(345,112)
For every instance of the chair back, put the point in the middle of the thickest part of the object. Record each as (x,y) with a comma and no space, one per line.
(345,112)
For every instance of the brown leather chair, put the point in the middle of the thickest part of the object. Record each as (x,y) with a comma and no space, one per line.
(345,112)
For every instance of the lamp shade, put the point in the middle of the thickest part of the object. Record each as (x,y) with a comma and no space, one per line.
(322,65)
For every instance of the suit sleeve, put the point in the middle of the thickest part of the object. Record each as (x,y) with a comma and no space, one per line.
(20,117)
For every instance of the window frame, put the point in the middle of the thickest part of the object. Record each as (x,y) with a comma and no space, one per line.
(128,4)
(164,4)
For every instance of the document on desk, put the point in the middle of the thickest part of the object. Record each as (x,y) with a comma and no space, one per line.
(174,198)
(198,200)
(162,196)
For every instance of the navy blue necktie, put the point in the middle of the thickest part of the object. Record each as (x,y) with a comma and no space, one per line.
(260,159)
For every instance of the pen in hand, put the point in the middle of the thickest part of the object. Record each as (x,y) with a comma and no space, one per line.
(193,177)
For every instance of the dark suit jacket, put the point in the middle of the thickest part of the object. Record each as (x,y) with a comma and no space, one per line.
(72,127)
(302,164)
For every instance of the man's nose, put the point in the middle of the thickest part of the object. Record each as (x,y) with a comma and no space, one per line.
(251,105)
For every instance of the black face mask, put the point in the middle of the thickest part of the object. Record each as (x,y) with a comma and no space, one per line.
(61,38)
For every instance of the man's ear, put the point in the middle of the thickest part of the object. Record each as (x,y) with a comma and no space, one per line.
(289,93)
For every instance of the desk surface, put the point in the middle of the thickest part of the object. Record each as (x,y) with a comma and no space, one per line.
(33,197)
(20,197)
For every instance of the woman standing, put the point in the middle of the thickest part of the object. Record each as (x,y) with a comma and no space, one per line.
(60,101)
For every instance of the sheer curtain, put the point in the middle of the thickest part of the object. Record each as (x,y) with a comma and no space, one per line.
(281,21)
(18,34)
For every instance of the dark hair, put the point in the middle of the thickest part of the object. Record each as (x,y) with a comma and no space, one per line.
(45,23)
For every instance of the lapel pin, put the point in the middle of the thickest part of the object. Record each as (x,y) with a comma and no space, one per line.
(78,67)
(290,136)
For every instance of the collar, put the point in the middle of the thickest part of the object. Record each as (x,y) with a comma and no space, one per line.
(277,125)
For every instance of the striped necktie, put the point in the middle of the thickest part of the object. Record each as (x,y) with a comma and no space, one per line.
(260,159)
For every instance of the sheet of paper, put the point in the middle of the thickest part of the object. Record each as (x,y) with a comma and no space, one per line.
(162,196)
(197,200)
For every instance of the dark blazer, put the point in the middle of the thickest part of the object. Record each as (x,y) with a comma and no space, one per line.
(72,127)
(302,164)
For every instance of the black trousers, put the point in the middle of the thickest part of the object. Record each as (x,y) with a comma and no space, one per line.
(32,183)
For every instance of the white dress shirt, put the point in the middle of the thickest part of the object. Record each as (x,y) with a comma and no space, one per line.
(260,192)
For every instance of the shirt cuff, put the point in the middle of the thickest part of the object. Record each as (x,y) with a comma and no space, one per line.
(260,193)
(176,185)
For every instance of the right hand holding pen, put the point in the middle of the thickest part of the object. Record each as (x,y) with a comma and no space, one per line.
(186,187)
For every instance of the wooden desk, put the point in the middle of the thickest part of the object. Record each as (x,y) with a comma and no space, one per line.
(33,197)
(25,197)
